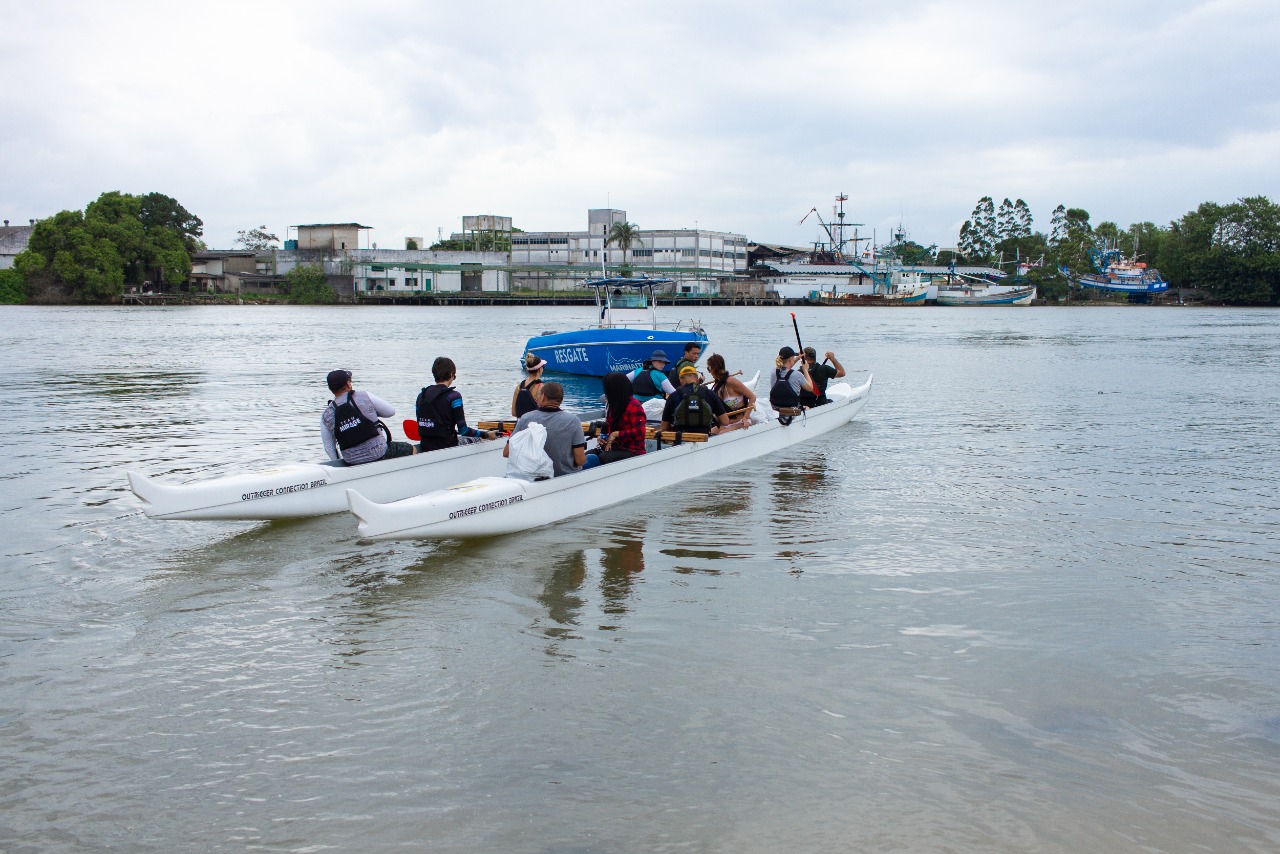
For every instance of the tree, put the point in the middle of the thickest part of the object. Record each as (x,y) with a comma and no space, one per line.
(256,239)
(1058,226)
(13,288)
(308,285)
(1021,219)
(1006,225)
(410,244)
(978,234)
(624,234)
(119,239)
(159,211)
(1230,252)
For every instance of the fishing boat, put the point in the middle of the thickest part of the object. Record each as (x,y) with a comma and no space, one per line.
(969,294)
(489,506)
(1119,274)
(298,490)
(625,335)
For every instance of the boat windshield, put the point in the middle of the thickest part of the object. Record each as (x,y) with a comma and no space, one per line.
(628,299)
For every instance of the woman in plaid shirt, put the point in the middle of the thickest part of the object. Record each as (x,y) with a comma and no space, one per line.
(624,420)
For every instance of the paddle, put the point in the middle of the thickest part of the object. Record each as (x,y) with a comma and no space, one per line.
(411,430)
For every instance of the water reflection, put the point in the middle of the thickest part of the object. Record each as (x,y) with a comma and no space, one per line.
(621,564)
(565,598)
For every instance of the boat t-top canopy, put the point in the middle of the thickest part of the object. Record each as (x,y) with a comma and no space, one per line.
(621,281)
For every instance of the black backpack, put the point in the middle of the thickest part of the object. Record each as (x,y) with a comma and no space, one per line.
(782,395)
(693,414)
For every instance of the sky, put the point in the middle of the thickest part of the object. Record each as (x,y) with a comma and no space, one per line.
(738,117)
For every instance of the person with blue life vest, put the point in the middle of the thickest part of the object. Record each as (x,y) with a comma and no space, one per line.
(694,408)
(442,422)
(788,382)
(649,380)
(350,427)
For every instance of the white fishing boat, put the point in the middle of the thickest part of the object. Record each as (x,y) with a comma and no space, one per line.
(298,490)
(490,506)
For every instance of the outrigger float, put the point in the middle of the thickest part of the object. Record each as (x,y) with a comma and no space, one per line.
(299,490)
(490,506)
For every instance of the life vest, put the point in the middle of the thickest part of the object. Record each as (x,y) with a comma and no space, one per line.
(435,417)
(645,384)
(782,395)
(350,426)
(693,414)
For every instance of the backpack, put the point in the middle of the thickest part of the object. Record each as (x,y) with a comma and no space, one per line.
(693,414)
(782,395)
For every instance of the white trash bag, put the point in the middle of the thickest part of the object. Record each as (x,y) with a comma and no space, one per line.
(653,409)
(527,455)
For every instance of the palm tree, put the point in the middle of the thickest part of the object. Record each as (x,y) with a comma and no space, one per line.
(624,234)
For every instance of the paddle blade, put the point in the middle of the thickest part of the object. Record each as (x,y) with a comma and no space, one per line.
(411,430)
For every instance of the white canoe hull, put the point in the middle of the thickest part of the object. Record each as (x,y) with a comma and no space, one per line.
(491,506)
(298,490)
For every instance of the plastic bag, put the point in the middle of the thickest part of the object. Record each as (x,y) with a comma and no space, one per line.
(527,456)
(653,409)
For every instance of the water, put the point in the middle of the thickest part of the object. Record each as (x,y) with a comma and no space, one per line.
(1025,602)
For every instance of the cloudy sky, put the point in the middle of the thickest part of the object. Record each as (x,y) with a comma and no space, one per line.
(732,116)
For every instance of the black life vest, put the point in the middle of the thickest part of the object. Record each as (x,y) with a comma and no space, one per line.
(643,385)
(435,418)
(693,414)
(350,426)
(782,395)
(525,401)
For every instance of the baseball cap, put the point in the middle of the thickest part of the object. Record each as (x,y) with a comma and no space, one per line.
(338,380)
(786,353)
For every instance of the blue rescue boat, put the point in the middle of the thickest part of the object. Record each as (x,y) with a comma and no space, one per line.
(627,333)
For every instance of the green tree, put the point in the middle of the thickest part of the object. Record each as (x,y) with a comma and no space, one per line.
(623,235)
(118,239)
(410,244)
(158,211)
(13,288)
(307,285)
(256,239)
(1229,252)
(978,235)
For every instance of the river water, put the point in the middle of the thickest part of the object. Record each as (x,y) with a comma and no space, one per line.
(1025,602)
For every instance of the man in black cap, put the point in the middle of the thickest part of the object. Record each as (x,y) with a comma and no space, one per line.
(649,381)
(349,426)
(820,375)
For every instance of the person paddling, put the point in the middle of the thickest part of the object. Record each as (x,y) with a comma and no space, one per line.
(694,408)
(820,375)
(350,427)
(442,422)
(784,392)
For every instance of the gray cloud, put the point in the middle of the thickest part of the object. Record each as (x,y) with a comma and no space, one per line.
(405,116)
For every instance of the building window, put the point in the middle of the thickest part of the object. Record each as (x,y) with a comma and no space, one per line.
(687,253)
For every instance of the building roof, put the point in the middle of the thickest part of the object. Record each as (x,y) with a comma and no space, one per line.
(334,225)
(209,254)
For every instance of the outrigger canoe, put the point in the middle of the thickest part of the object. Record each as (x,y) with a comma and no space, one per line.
(298,490)
(490,506)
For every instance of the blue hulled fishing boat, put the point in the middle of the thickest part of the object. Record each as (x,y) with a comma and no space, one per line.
(1121,275)
(627,332)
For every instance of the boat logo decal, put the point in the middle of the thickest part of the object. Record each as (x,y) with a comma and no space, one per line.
(490,505)
(283,490)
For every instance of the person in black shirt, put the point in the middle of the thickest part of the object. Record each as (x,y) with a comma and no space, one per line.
(820,375)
